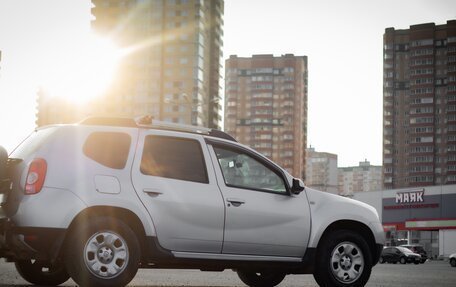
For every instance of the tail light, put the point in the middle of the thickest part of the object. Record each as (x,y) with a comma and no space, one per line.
(35,176)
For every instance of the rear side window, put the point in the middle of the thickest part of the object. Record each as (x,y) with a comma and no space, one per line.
(33,142)
(108,148)
(174,158)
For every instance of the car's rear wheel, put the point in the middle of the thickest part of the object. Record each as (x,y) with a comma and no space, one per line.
(343,259)
(41,272)
(402,260)
(453,262)
(266,278)
(103,252)
(381,260)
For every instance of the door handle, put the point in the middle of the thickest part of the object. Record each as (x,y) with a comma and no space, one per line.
(152,192)
(235,201)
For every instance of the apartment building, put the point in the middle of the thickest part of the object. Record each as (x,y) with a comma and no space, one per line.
(172,70)
(266,106)
(321,170)
(419,105)
(361,178)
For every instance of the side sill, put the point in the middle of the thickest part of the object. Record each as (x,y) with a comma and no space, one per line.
(234,257)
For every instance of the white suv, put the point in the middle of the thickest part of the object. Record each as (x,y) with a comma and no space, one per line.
(97,200)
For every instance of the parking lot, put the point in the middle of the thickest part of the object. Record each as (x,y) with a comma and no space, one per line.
(432,273)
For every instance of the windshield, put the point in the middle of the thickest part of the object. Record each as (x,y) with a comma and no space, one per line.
(405,250)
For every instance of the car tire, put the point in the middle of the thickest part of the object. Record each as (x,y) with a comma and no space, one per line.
(103,252)
(41,273)
(416,262)
(402,260)
(343,259)
(261,279)
(453,262)
(381,260)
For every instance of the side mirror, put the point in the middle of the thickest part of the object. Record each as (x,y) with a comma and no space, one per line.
(298,186)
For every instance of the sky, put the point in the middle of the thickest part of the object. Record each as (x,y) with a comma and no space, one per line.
(343,41)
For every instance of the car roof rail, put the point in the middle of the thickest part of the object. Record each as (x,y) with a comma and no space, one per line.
(149,122)
(109,121)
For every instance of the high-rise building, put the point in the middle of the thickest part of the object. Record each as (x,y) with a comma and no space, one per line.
(266,106)
(172,70)
(321,170)
(419,102)
(365,177)
(53,109)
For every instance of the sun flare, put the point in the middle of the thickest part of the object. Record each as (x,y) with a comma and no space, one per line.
(81,70)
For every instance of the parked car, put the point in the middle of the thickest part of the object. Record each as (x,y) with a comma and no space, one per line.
(97,200)
(399,254)
(452,260)
(419,249)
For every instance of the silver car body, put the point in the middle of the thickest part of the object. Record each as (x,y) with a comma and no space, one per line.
(191,220)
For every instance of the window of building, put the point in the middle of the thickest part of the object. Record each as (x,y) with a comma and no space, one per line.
(244,171)
(108,148)
(174,158)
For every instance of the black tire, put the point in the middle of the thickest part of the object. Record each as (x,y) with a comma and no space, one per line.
(453,262)
(341,241)
(381,260)
(110,245)
(402,260)
(42,273)
(261,279)
(416,262)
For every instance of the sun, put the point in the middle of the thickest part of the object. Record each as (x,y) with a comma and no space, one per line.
(82,69)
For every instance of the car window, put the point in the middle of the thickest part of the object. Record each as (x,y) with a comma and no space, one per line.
(32,142)
(110,149)
(175,158)
(242,170)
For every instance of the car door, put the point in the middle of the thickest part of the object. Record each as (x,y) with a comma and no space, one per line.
(396,254)
(174,178)
(387,254)
(262,217)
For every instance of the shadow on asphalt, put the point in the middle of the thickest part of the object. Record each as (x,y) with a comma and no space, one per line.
(22,285)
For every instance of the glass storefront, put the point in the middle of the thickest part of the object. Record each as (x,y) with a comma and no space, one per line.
(428,239)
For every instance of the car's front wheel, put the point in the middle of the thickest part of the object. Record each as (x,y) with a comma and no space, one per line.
(453,262)
(266,278)
(403,260)
(41,272)
(381,260)
(103,252)
(343,259)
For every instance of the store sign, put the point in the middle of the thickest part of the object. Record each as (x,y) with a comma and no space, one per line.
(410,197)
(410,200)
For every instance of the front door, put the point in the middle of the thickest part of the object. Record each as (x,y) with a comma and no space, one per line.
(262,217)
(174,179)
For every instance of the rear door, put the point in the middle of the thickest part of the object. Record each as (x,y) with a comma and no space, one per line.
(175,180)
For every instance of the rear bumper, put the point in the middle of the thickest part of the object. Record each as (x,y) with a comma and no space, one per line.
(29,242)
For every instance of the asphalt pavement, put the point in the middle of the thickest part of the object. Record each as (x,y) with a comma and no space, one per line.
(432,273)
